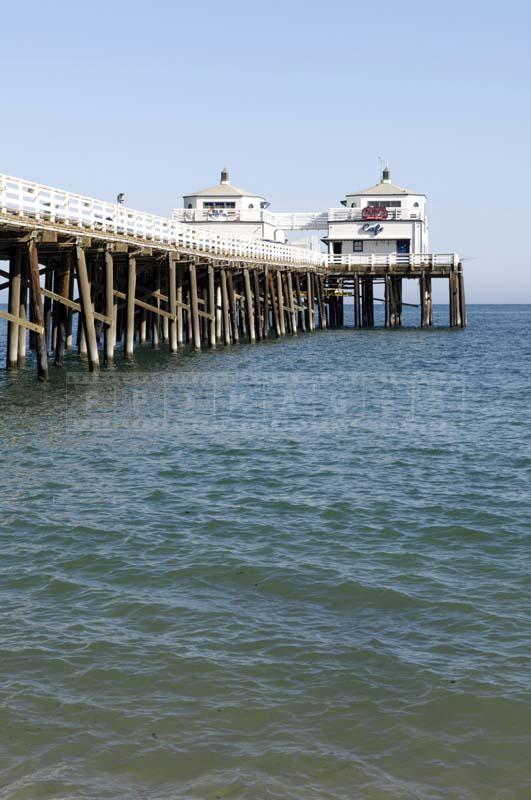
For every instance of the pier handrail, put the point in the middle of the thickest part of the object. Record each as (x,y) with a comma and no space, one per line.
(356,214)
(284,220)
(393,260)
(55,207)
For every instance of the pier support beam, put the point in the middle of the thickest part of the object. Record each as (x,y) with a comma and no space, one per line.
(462,301)
(225,307)
(309,302)
(267,303)
(249,304)
(212,309)
(291,301)
(129,344)
(426,305)
(301,314)
(15,285)
(37,312)
(280,300)
(63,276)
(232,307)
(194,307)
(87,310)
(393,296)
(109,334)
(172,298)
(257,305)
(274,302)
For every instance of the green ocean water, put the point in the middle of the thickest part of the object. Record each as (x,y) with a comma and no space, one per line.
(295,570)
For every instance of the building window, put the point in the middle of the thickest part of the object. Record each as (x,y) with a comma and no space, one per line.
(189,205)
(357,245)
(218,204)
(337,248)
(416,205)
(251,205)
(385,203)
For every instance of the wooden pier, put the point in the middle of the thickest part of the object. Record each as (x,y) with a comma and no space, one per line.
(135,279)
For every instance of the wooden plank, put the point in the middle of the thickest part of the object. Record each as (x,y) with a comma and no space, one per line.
(76,306)
(24,323)
(145,306)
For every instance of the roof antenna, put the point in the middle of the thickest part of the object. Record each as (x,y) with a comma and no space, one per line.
(224,175)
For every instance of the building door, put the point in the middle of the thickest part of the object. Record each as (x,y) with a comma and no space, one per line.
(337,248)
(402,245)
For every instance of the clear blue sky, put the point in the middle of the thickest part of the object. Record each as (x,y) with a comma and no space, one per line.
(298,99)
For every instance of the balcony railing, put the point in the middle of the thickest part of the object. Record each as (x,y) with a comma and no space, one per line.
(360,214)
(286,221)
(393,260)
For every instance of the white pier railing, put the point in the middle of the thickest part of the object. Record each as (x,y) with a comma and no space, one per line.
(285,220)
(367,213)
(392,261)
(50,207)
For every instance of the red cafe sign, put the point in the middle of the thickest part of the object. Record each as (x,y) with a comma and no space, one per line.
(373,212)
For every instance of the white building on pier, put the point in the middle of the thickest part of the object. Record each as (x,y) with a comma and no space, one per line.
(231,211)
(379,221)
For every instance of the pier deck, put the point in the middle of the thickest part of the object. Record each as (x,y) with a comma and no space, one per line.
(133,277)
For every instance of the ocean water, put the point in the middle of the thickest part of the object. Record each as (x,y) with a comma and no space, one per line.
(295,570)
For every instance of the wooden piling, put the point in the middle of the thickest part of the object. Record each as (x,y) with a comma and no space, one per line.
(212,309)
(129,333)
(273,283)
(225,307)
(280,302)
(291,300)
(109,334)
(194,307)
(310,310)
(37,312)
(87,310)
(62,288)
(301,314)
(249,306)
(15,286)
(172,300)
(179,310)
(232,307)
(462,300)
(265,330)
(258,305)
